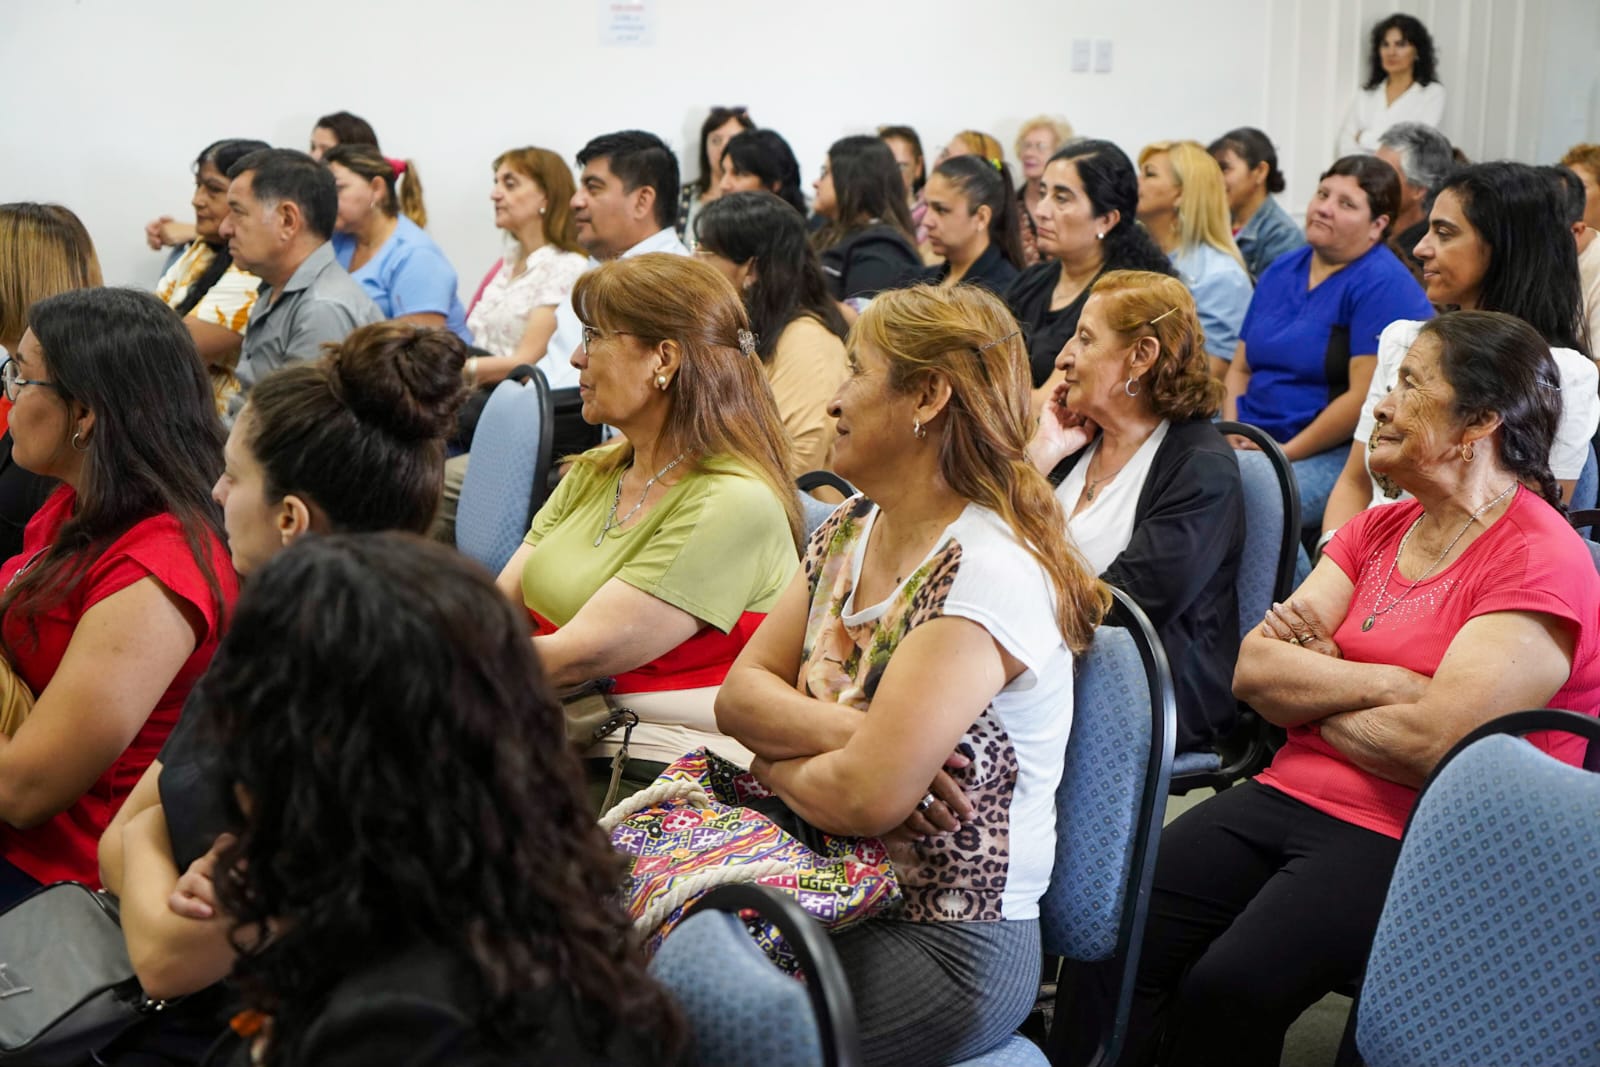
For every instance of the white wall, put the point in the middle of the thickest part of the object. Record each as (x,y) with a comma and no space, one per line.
(107,101)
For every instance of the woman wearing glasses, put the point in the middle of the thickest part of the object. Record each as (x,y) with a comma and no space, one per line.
(115,605)
(657,556)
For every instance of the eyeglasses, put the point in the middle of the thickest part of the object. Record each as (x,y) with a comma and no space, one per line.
(592,334)
(12,381)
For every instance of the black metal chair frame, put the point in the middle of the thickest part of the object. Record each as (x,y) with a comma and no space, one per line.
(817,479)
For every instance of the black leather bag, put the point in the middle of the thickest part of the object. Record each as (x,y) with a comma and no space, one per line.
(67,988)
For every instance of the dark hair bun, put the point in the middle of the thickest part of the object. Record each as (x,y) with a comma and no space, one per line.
(402,379)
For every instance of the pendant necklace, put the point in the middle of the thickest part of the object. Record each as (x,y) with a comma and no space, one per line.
(1385,609)
(1094,483)
(614,523)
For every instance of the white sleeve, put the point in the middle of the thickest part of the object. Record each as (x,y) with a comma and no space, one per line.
(1580,414)
(1393,344)
(1429,108)
(1347,143)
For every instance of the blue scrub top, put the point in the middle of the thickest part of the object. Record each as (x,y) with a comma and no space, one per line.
(409,275)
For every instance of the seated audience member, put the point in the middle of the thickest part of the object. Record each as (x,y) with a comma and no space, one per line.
(1422,621)
(1262,230)
(281,211)
(973,143)
(1087,226)
(1183,206)
(1402,86)
(515,316)
(1310,338)
(1584,161)
(720,127)
(213,295)
(658,555)
(341,127)
(799,332)
(867,244)
(1422,159)
(761,159)
(44,250)
(383,724)
(972,224)
(351,443)
(378,240)
(117,601)
(1498,242)
(906,147)
(937,614)
(1152,491)
(1039,138)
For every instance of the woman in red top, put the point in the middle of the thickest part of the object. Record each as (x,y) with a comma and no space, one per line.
(1424,619)
(117,601)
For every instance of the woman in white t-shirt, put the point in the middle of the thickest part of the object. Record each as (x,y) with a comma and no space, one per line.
(1402,86)
(515,314)
(1497,240)
(914,682)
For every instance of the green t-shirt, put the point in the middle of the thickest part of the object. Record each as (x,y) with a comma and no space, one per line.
(716,546)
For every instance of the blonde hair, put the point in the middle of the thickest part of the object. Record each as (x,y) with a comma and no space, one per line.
(44,250)
(981,144)
(966,336)
(1142,303)
(366,162)
(1059,128)
(1583,155)
(554,177)
(720,403)
(1203,216)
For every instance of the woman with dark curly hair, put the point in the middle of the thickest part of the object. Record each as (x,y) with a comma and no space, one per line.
(416,875)
(1150,488)
(1402,86)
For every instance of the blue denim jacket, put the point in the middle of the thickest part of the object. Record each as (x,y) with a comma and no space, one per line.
(1269,234)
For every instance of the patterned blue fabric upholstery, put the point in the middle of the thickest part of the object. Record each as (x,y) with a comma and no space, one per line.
(1097,802)
(1018,1051)
(492,517)
(1195,763)
(1587,488)
(741,1009)
(1486,952)
(1263,538)
(814,511)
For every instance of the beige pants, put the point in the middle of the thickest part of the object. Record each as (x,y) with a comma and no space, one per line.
(444,522)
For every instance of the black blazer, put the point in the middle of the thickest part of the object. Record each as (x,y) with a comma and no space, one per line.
(993,271)
(1181,566)
(21,494)
(868,261)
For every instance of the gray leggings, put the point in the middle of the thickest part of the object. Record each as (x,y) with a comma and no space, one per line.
(938,993)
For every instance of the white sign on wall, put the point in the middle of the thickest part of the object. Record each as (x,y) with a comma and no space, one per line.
(627,23)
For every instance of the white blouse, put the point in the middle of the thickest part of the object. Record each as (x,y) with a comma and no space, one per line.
(1103,529)
(1371,114)
(500,316)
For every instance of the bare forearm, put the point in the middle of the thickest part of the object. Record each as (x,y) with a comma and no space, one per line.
(171,954)
(1329,429)
(1351,493)
(1383,741)
(824,792)
(1289,685)
(777,722)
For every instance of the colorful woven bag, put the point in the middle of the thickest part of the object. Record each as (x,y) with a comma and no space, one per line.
(693,830)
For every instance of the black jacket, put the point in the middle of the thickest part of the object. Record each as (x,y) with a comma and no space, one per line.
(868,261)
(21,494)
(992,270)
(1044,331)
(1181,566)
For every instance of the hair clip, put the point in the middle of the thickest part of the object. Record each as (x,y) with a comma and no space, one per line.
(996,164)
(1163,315)
(997,341)
(747,343)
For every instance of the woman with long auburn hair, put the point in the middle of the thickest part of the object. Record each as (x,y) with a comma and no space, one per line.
(914,682)
(659,554)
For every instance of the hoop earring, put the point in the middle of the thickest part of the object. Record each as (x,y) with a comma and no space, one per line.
(76,447)
(1467,452)
(1129,387)
(918,430)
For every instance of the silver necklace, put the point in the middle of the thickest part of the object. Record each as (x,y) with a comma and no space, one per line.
(1094,483)
(614,523)
(1384,610)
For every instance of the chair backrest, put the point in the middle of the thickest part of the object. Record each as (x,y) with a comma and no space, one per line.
(505,481)
(1271,524)
(1109,808)
(816,511)
(1485,953)
(740,1007)
(1587,488)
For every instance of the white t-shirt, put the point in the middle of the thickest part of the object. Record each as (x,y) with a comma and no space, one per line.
(1103,529)
(999,865)
(1371,114)
(500,317)
(1589,278)
(1580,403)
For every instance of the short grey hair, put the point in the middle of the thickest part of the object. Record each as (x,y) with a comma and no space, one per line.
(1426,158)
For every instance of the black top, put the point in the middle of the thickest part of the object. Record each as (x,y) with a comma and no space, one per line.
(421,1008)
(868,261)
(191,794)
(992,270)
(1046,332)
(1181,566)
(22,492)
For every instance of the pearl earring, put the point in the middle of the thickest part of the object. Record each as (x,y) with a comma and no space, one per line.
(661,382)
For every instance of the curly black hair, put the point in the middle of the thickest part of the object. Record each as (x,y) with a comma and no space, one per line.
(1413,32)
(408,781)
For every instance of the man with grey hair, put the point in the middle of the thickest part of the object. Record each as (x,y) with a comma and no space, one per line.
(1422,157)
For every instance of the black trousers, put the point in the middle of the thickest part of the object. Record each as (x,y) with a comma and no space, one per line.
(1261,906)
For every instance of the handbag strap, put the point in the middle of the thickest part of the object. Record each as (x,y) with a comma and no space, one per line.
(687,889)
(664,790)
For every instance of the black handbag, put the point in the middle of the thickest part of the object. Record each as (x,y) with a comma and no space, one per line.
(67,988)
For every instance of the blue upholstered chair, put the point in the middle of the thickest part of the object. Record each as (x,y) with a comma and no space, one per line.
(506,480)
(1266,575)
(1487,950)
(743,1011)
(816,511)
(1109,807)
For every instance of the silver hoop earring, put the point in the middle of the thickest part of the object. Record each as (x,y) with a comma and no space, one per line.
(918,430)
(76,447)
(1129,387)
